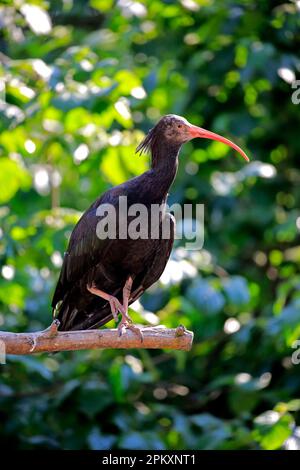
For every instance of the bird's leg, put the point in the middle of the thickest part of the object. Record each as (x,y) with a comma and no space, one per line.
(126,295)
(115,304)
(126,322)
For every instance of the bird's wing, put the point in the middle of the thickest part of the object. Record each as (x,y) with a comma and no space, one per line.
(162,255)
(84,251)
(148,277)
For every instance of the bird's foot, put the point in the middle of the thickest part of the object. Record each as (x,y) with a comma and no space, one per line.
(116,307)
(127,324)
(115,304)
(52,330)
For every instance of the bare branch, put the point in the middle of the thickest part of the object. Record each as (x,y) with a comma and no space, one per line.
(51,340)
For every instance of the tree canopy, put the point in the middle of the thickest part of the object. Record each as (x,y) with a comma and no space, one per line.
(80,83)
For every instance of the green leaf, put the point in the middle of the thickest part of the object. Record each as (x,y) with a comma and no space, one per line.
(12,178)
(102,5)
(93,398)
(12,294)
(272,429)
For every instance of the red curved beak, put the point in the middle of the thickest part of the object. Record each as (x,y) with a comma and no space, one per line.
(204,134)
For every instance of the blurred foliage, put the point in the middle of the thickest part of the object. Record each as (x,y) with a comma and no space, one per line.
(80,83)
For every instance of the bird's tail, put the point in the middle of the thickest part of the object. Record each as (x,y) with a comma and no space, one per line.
(73,316)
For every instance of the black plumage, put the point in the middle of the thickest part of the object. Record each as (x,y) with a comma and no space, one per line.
(107,264)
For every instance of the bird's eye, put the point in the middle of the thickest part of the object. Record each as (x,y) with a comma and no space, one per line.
(179,125)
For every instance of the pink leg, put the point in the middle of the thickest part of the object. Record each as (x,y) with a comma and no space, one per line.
(126,322)
(115,304)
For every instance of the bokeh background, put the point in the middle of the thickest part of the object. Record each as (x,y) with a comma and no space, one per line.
(80,84)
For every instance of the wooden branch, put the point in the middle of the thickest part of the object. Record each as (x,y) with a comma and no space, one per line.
(51,340)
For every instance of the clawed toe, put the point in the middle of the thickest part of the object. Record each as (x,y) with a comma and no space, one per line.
(116,306)
(137,331)
(122,328)
(125,325)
